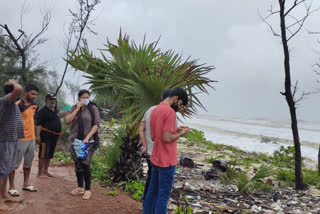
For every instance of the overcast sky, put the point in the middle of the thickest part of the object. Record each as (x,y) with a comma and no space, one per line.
(225,33)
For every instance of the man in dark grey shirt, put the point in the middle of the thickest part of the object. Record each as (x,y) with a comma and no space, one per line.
(11,129)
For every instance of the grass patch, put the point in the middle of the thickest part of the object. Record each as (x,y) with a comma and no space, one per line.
(209,159)
(62,157)
(248,161)
(112,193)
(201,150)
(234,150)
(262,157)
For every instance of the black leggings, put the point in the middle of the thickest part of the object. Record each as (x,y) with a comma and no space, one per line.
(83,173)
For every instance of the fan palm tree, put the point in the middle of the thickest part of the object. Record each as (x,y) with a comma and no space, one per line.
(134,77)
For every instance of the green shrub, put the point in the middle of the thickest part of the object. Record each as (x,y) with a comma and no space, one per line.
(246,185)
(65,129)
(311,177)
(99,169)
(263,187)
(284,157)
(114,150)
(262,157)
(112,122)
(230,176)
(196,136)
(248,161)
(135,187)
(286,175)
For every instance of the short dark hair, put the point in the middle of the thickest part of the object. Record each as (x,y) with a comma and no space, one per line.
(82,92)
(7,89)
(31,87)
(181,93)
(166,93)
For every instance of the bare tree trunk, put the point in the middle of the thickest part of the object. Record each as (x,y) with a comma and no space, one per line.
(290,99)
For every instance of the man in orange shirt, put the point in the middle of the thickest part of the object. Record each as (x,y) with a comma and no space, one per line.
(165,134)
(25,148)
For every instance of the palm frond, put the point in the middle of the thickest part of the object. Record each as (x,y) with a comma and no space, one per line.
(137,75)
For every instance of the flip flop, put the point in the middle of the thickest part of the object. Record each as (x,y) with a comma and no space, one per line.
(30,189)
(13,192)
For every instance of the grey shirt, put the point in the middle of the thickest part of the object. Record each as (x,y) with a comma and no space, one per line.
(11,122)
(147,132)
(87,122)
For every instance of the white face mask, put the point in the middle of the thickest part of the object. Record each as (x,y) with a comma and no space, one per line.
(85,101)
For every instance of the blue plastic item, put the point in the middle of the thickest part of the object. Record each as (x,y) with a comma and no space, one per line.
(81,149)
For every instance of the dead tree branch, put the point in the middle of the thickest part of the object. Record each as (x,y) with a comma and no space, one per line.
(24,44)
(80,22)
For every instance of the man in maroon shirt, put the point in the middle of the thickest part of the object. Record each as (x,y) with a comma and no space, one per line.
(164,157)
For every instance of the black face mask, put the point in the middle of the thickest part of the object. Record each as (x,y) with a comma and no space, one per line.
(175,107)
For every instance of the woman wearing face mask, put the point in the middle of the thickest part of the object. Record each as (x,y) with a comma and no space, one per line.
(84,119)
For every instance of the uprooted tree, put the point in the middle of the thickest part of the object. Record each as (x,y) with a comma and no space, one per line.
(134,78)
(290,26)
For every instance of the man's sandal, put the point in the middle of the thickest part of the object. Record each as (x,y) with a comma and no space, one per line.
(30,189)
(14,192)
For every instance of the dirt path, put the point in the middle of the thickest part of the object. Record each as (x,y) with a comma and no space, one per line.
(53,196)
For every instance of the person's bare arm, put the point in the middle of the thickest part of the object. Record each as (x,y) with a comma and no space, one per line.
(168,137)
(68,119)
(38,130)
(93,130)
(143,138)
(17,89)
(63,113)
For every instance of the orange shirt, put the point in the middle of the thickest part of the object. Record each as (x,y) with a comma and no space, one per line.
(28,112)
(163,118)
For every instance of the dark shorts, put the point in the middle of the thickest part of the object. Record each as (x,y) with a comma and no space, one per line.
(8,152)
(47,146)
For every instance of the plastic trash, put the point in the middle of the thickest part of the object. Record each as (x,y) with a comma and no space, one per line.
(191,198)
(81,149)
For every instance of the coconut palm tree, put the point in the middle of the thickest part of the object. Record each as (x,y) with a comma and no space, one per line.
(134,77)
